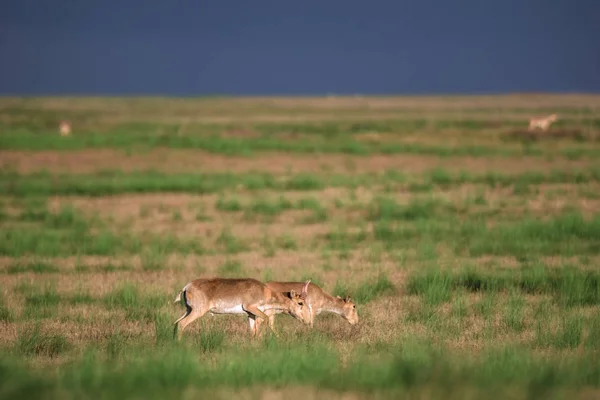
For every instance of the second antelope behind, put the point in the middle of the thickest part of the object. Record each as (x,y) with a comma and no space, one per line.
(317,301)
(239,296)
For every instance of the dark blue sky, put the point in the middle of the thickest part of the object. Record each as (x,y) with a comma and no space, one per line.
(196,47)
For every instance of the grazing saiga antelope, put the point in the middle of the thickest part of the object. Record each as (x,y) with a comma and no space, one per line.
(64,128)
(239,296)
(317,301)
(542,123)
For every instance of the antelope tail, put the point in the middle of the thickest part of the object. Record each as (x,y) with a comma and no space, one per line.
(181,295)
(178,298)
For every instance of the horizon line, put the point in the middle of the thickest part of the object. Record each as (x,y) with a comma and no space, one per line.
(318,95)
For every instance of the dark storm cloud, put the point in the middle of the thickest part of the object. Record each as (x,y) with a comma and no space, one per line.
(310,47)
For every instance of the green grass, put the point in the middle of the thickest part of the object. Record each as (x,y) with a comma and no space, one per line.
(209,340)
(108,183)
(48,297)
(17,241)
(229,243)
(5,314)
(513,315)
(566,234)
(304,181)
(42,301)
(231,268)
(34,267)
(33,342)
(423,223)
(286,242)
(230,204)
(570,333)
(67,217)
(162,328)
(387,209)
(231,146)
(469,284)
(571,287)
(313,138)
(153,259)
(318,214)
(266,208)
(106,268)
(413,366)
(137,306)
(366,292)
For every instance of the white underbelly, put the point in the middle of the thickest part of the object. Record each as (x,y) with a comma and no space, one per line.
(237,309)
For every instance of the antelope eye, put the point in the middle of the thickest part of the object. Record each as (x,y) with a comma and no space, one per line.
(354,307)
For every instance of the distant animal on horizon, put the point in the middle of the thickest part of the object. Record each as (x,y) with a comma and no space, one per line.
(542,123)
(64,128)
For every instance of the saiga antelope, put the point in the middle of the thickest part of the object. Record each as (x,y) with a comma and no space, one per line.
(542,123)
(317,301)
(64,128)
(239,296)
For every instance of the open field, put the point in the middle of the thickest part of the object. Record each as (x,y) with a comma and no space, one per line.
(470,246)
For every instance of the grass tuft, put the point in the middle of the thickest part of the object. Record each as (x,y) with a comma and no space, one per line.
(366,291)
(231,268)
(5,314)
(34,342)
(230,243)
(34,267)
(137,307)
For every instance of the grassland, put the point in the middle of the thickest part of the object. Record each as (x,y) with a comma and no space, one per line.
(470,245)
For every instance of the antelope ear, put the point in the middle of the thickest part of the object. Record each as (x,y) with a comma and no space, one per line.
(347,299)
(338,297)
(293,293)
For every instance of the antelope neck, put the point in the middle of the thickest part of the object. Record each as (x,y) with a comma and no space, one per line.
(332,304)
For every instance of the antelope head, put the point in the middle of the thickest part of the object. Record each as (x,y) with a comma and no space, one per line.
(299,308)
(348,310)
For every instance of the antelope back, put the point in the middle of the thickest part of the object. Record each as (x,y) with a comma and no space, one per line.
(242,291)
